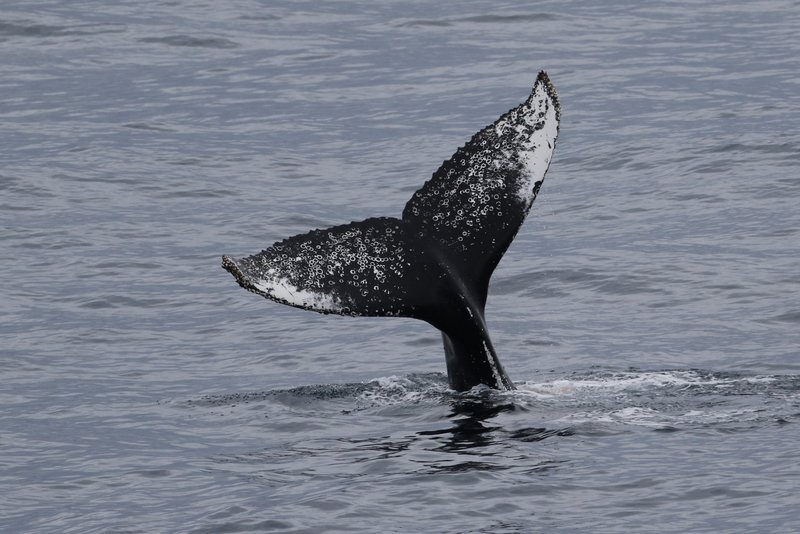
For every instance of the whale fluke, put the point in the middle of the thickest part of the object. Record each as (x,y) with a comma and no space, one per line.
(435,262)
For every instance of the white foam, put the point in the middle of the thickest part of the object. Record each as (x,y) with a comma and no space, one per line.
(653,418)
(631,381)
(394,390)
(631,398)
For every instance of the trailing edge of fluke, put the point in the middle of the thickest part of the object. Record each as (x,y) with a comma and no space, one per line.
(434,263)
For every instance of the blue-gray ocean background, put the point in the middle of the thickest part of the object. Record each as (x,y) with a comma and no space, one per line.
(648,310)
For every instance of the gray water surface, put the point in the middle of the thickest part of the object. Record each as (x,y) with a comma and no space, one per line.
(648,310)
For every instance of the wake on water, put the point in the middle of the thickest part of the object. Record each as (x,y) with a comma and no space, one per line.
(602,398)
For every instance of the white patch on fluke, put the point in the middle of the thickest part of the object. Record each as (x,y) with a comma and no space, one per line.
(283,290)
(535,149)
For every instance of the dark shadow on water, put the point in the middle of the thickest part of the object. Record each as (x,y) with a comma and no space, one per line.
(472,428)
(467,433)
(476,441)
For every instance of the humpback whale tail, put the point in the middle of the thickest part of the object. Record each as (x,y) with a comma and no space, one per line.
(435,262)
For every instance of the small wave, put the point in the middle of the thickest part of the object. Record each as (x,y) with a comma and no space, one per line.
(481,19)
(788,317)
(31,29)
(382,391)
(146,126)
(293,396)
(190,41)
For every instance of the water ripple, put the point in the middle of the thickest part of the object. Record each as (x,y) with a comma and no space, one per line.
(191,41)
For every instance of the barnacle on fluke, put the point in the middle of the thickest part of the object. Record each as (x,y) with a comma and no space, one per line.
(435,262)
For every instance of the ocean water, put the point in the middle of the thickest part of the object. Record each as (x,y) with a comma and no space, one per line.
(648,310)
